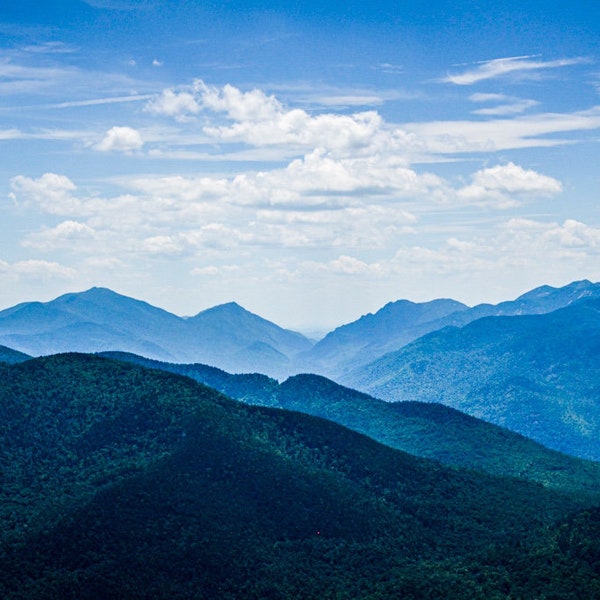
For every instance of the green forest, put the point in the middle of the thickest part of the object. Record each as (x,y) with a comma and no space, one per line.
(120,481)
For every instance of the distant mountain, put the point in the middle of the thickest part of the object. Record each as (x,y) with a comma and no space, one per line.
(538,301)
(538,375)
(428,430)
(100,320)
(234,338)
(399,323)
(373,335)
(124,482)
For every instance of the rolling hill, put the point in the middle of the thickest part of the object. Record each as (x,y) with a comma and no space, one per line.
(429,430)
(125,482)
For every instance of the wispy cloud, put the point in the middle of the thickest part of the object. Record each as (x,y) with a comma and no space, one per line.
(505,105)
(501,67)
(534,131)
(50,48)
(100,101)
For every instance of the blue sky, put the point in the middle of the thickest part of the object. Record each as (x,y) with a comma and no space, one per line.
(311,162)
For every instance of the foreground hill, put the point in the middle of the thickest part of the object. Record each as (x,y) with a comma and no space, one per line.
(398,323)
(538,375)
(428,430)
(10,356)
(124,482)
(99,319)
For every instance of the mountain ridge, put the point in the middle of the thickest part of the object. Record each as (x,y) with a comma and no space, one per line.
(99,319)
(228,336)
(429,430)
(353,345)
(535,374)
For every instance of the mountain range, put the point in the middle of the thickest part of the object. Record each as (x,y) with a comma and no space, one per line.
(535,374)
(236,340)
(529,365)
(399,323)
(99,319)
(120,481)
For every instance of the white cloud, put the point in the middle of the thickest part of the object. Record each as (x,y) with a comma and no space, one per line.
(101,101)
(50,48)
(570,238)
(314,202)
(534,131)
(503,185)
(179,105)
(258,122)
(64,235)
(11,134)
(120,139)
(18,78)
(51,191)
(41,270)
(508,105)
(500,67)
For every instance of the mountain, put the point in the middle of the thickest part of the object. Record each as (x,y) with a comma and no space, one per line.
(399,323)
(538,301)
(10,356)
(373,335)
(125,482)
(423,429)
(233,336)
(538,375)
(99,319)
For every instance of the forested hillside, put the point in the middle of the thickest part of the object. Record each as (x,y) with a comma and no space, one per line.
(124,482)
(424,429)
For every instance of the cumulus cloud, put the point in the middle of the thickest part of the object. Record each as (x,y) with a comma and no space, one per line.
(54,193)
(41,270)
(120,139)
(64,235)
(259,121)
(173,104)
(500,67)
(566,239)
(503,185)
(316,201)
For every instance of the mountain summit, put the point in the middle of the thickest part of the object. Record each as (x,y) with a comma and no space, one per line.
(99,320)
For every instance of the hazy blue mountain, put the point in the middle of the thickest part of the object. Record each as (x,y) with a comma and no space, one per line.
(101,320)
(373,335)
(538,375)
(399,323)
(428,430)
(538,301)
(124,482)
(235,337)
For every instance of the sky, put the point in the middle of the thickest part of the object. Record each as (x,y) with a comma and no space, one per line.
(311,161)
